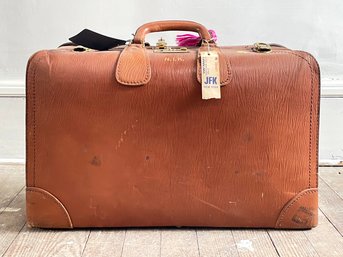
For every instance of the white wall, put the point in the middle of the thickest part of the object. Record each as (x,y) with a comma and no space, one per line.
(312,25)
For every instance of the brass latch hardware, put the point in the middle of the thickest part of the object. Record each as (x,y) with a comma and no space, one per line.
(171,50)
(161,47)
(82,49)
(161,44)
(261,47)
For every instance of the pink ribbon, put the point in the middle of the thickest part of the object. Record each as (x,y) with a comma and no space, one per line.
(192,40)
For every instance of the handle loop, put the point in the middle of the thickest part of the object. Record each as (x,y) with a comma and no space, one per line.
(158,26)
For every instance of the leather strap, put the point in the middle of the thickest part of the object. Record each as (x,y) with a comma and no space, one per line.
(133,68)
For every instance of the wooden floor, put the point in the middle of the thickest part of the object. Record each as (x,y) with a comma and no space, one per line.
(18,240)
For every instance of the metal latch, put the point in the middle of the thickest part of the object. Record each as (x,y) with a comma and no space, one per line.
(261,47)
(82,49)
(161,47)
(161,44)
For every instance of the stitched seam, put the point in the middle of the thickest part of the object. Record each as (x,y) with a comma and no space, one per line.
(318,113)
(317,129)
(59,204)
(34,116)
(284,211)
(228,66)
(34,123)
(311,111)
(147,72)
(29,79)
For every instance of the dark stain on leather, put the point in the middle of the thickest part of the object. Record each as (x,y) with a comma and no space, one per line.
(247,137)
(96,161)
(303,216)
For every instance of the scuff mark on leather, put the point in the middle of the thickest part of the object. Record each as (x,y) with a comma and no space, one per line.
(136,189)
(211,205)
(303,216)
(49,63)
(124,134)
(93,207)
(121,139)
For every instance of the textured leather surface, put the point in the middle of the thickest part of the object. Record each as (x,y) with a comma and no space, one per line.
(158,155)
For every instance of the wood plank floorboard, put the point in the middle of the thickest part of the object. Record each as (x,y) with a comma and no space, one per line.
(16,239)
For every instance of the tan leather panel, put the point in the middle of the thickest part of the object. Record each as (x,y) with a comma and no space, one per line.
(159,155)
(133,66)
(301,211)
(45,210)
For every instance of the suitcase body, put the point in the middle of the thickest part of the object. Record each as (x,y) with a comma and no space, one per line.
(122,138)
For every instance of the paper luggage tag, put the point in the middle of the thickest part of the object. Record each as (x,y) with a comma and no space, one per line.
(210,75)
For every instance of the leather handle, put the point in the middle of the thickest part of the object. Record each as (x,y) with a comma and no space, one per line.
(158,26)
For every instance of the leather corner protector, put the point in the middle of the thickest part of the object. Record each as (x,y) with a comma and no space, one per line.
(225,73)
(133,67)
(44,210)
(301,212)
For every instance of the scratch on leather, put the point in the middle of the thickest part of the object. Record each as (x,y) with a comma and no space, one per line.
(124,134)
(121,139)
(211,205)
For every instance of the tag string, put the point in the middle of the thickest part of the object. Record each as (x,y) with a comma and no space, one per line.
(208,45)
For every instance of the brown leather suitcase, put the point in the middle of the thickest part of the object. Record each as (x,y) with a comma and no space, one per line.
(123,138)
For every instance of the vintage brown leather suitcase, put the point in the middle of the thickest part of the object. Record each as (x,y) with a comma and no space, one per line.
(123,138)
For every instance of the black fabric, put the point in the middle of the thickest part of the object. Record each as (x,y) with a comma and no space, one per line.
(93,40)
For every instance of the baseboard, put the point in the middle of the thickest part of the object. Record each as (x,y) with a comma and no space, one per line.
(331,88)
(331,163)
(12,161)
(12,88)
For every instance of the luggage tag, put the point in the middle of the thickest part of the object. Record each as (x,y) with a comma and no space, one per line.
(210,75)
